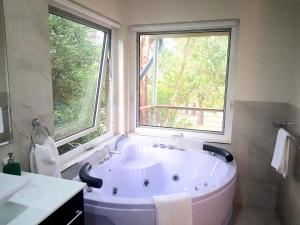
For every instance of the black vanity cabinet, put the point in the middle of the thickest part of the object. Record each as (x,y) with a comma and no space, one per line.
(71,213)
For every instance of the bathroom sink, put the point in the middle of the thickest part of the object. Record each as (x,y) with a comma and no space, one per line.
(10,184)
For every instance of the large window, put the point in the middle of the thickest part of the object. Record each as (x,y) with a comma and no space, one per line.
(80,52)
(182,79)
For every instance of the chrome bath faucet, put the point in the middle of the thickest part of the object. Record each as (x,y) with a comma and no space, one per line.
(119,139)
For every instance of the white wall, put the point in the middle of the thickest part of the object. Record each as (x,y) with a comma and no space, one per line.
(264,67)
(108,8)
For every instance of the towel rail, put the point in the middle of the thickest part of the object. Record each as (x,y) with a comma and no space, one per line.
(36,124)
(294,137)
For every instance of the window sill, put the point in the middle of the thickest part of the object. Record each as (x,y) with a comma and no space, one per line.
(187,135)
(84,151)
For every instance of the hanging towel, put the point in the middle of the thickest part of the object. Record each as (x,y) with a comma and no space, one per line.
(174,209)
(1,122)
(280,159)
(44,158)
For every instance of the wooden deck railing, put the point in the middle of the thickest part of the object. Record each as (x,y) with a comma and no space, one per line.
(197,118)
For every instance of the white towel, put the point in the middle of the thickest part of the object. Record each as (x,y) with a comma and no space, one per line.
(1,122)
(44,158)
(174,209)
(280,160)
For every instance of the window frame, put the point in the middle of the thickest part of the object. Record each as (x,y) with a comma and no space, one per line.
(223,137)
(105,61)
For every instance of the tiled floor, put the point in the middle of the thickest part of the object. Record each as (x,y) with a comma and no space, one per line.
(253,216)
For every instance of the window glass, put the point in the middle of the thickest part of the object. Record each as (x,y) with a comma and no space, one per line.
(183,79)
(104,114)
(77,58)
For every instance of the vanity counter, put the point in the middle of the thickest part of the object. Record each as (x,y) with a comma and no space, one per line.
(38,200)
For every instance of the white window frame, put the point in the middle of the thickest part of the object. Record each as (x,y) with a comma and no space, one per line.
(224,137)
(86,14)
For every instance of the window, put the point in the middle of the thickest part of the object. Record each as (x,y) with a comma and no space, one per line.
(182,79)
(80,52)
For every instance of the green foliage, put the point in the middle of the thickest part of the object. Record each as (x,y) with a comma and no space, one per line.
(203,75)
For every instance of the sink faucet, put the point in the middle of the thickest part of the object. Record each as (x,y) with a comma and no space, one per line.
(119,139)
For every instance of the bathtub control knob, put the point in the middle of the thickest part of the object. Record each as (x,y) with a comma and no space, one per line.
(175,177)
(170,147)
(155,145)
(162,145)
(146,182)
(115,190)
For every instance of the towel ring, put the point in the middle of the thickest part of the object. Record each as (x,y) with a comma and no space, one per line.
(35,125)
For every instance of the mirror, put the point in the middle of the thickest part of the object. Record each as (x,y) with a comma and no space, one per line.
(5,128)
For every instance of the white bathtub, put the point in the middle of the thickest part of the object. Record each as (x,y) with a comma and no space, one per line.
(140,172)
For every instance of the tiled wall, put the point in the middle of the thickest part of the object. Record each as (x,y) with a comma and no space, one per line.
(253,139)
(28,56)
(288,205)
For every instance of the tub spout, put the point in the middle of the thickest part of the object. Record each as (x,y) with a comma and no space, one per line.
(119,139)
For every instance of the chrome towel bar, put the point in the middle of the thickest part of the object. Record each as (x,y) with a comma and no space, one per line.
(294,137)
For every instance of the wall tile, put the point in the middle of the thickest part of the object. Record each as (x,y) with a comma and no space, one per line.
(253,139)
(288,206)
(255,193)
(28,56)
(253,216)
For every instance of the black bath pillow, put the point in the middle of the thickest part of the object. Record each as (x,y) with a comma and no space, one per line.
(89,180)
(220,151)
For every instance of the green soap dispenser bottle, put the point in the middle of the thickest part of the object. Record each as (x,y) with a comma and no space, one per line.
(12,167)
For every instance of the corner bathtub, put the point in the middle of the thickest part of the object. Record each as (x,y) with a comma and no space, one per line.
(140,172)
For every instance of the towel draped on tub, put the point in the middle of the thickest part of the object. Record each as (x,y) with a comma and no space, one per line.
(174,209)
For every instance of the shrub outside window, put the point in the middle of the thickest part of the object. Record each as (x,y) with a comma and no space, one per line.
(80,52)
(182,79)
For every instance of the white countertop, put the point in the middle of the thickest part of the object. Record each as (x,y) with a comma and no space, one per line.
(43,196)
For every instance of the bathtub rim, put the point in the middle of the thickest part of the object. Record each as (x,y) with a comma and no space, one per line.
(149,206)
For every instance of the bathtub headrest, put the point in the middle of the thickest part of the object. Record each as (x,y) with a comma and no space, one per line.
(89,180)
(220,151)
